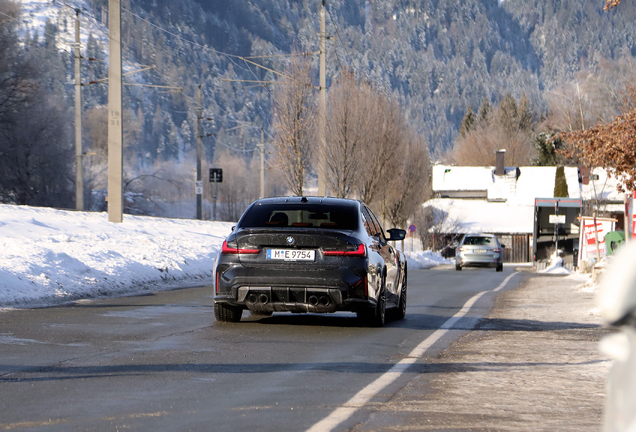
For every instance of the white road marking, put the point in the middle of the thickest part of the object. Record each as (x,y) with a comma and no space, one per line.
(345,411)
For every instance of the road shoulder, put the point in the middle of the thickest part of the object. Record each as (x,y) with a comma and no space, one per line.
(532,364)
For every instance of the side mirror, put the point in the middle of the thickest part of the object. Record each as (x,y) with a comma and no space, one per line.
(396,234)
(233,228)
(503,246)
(454,245)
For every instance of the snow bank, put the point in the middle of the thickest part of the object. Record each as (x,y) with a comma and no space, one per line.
(426,260)
(52,256)
(556,266)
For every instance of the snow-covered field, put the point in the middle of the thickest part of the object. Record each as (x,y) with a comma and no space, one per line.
(50,256)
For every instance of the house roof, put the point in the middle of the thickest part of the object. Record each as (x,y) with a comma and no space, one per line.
(509,207)
(470,216)
(520,185)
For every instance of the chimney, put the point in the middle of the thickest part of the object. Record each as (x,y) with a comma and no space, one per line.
(500,165)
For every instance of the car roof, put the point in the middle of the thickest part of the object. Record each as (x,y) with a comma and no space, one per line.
(306,199)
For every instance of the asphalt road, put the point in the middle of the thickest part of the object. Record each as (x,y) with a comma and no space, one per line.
(161,362)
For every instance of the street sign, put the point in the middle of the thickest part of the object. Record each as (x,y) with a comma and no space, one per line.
(216,175)
(198,187)
(557,219)
(412,228)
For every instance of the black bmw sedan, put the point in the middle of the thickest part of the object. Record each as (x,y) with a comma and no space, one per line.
(310,254)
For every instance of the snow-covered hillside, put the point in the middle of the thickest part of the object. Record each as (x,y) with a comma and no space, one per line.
(35,14)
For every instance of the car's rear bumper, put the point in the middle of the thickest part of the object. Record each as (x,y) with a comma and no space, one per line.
(324,291)
(481,262)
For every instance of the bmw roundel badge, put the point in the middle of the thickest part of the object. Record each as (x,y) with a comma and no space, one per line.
(290,240)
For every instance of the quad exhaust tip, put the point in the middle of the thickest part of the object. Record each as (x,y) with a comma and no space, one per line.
(263,298)
(313,300)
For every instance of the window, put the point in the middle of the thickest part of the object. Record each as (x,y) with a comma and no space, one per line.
(479,241)
(368,222)
(300,215)
(377,224)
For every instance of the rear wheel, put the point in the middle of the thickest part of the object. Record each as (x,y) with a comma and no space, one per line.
(400,312)
(227,313)
(458,267)
(375,317)
(499,267)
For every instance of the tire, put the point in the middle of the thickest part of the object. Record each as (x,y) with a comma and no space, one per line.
(400,312)
(226,313)
(458,267)
(500,267)
(375,317)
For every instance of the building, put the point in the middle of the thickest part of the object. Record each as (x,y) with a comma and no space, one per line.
(503,201)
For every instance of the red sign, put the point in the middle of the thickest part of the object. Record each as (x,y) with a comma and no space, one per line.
(633,216)
(590,236)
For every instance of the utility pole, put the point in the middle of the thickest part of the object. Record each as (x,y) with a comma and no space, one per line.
(199,182)
(79,166)
(322,186)
(115,123)
(262,146)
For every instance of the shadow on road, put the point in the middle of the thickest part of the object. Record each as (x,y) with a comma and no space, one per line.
(19,373)
(422,322)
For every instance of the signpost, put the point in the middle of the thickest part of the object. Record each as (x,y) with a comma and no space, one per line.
(412,229)
(557,219)
(216,177)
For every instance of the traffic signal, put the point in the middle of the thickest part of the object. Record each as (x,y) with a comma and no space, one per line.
(216,175)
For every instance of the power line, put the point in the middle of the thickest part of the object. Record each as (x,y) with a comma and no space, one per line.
(331,20)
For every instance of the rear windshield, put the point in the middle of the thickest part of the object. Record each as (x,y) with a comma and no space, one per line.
(479,241)
(301,215)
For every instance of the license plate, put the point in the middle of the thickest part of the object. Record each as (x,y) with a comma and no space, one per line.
(291,254)
(480,251)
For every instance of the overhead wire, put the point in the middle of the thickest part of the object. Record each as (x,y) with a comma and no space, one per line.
(331,20)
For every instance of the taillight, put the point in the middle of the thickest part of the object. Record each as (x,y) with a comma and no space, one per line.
(228,250)
(217,282)
(360,251)
(497,250)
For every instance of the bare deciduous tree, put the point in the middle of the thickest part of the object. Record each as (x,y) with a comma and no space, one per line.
(479,147)
(348,131)
(410,185)
(378,157)
(435,225)
(294,117)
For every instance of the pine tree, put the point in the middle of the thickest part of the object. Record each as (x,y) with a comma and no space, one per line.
(484,112)
(468,123)
(560,185)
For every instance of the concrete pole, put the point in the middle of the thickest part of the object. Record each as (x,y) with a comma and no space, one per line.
(115,122)
(262,146)
(199,156)
(216,195)
(322,186)
(79,166)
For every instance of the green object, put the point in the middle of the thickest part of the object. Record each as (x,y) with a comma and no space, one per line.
(614,240)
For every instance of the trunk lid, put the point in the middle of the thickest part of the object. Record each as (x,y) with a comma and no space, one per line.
(268,241)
